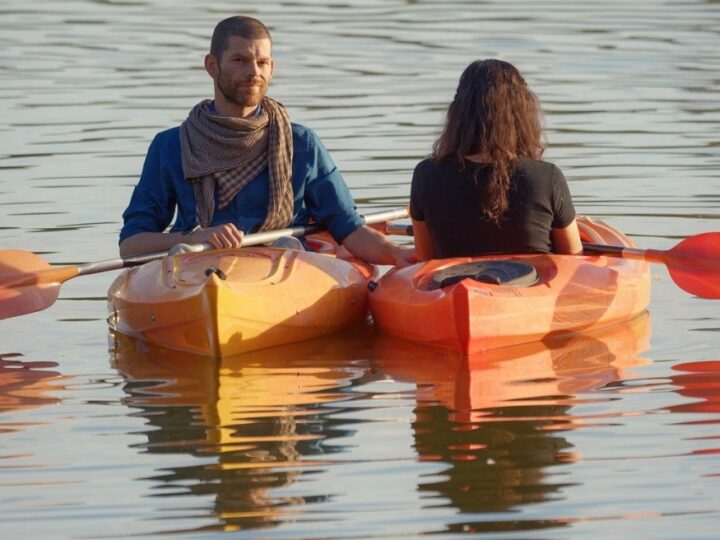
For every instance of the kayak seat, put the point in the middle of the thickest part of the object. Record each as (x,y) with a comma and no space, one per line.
(507,273)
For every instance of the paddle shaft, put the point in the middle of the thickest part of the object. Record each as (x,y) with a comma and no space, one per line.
(650,255)
(249,240)
(29,284)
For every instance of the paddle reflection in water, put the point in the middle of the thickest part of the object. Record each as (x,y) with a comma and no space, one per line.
(256,422)
(27,384)
(498,419)
(700,382)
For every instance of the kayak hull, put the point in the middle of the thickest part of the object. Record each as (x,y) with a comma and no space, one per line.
(572,294)
(226,302)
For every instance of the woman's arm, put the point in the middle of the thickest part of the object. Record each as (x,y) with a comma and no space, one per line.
(566,241)
(423,241)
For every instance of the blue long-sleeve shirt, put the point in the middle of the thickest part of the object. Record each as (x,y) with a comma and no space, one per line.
(319,188)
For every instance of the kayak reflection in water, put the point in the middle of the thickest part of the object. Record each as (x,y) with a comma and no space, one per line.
(485,188)
(499,420)
(249,425)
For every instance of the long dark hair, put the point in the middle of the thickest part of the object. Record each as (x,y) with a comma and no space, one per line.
(495,118)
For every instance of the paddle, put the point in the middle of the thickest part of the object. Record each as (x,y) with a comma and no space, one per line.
(28,283)
(693,264)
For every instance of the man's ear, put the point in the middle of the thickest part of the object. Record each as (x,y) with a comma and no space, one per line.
(211,65)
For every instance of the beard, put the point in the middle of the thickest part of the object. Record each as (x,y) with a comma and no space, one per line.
(247,93)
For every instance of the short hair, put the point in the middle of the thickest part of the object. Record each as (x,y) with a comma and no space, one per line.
(245,27)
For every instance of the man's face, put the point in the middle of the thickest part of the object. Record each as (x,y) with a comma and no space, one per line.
(244,71)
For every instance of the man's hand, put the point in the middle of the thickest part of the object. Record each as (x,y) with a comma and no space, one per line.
(405,256)
(369,245)
(220,236)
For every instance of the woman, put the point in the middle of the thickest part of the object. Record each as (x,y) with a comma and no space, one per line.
(485,189)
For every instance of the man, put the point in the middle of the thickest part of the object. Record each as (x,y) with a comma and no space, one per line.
(238,165)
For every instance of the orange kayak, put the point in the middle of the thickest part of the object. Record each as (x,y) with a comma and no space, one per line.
(225,302)
(482,303)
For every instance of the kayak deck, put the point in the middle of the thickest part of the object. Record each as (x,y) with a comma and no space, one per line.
(570,294)
(225,302)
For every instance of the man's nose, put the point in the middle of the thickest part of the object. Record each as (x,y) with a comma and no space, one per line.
(253,67)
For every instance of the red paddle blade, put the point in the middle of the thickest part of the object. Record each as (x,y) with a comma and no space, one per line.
(694,265)
(21,289)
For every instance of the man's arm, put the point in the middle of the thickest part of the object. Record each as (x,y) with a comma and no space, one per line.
(329,201)
(149,242)
(375,248)
(153,201)
(220,236)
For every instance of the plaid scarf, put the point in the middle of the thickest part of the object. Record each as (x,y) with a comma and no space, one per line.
(228,153)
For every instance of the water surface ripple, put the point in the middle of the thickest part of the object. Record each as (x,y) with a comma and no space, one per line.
(609,435)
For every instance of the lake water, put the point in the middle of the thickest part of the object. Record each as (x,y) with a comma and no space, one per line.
(614,435)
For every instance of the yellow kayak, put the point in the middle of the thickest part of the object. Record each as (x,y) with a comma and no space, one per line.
(225,302)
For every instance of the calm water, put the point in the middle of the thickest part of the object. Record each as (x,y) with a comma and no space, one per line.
(613,435)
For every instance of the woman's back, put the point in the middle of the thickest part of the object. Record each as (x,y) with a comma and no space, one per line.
(449,201)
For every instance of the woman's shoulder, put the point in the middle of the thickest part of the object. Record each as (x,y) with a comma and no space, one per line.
(430,165)
(424,164)
(535,164)
(537,169)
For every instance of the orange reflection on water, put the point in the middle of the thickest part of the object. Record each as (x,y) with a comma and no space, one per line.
(258,414)
(498,419)
(523,375)
(700,381)
(25,384)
